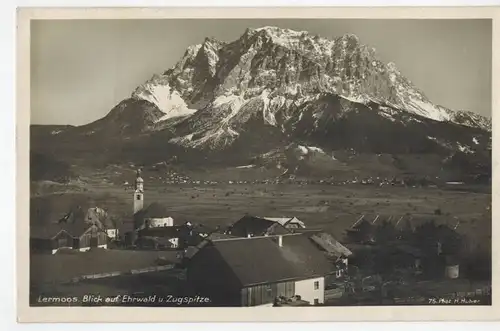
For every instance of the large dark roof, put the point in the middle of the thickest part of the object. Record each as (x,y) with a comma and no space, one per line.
(260,260)
(161,231)
(331,245)
(154,210)
(256,226)
(192,250)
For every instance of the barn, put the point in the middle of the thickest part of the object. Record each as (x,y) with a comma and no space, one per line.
(75,230)
(258,271)
(82,237)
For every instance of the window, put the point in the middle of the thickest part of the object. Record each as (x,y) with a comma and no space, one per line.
(138,197)
(316,285)
(316,301)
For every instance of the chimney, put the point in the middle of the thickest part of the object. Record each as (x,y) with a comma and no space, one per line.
(280,241)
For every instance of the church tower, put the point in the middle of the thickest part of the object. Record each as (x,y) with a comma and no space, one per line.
(138,192)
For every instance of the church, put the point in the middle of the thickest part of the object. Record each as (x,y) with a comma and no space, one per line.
(153,217)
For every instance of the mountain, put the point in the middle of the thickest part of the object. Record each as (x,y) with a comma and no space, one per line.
(272,90)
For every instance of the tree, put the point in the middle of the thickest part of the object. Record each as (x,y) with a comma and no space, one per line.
(435,239)
(363,232)
(385,232)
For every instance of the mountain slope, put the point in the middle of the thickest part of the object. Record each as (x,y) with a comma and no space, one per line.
(274,88)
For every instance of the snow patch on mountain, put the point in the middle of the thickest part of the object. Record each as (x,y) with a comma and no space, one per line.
(441,142)
(306,150)
(427,109)
(280,75)
(464,148)
(168,100)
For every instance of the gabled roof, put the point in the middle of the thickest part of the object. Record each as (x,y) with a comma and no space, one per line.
(154,210)
(285,220)
(261,260)
(331,245)
(202,229)
(161,231)
(48,231)
(75,222)
(256,226)
(192,250)
(364,225)
(309,231)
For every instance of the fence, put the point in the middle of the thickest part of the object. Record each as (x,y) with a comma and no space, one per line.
(121,273)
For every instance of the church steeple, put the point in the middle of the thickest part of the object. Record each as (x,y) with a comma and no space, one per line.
(138,192)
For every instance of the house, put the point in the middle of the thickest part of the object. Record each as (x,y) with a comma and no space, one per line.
(158,237)
(287,222)
(259,271)
(71,232)
(155,215)
(333,249)
(100,217)
(250,226)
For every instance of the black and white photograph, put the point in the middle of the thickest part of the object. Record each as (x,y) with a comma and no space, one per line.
(260,162)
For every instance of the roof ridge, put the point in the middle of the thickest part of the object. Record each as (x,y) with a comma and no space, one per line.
(259,237)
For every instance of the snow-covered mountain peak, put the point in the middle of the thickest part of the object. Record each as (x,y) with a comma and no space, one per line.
(271,70)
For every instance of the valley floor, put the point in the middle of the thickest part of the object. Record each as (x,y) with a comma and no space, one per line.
(331,207)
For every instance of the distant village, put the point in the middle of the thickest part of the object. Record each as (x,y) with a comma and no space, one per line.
(281,261)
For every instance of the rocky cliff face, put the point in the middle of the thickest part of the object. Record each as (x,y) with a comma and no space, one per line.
(274,88)
(269,72)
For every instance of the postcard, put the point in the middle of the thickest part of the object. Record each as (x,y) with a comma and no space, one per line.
(256,164)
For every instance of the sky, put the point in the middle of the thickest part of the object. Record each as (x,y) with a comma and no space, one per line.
(80,69)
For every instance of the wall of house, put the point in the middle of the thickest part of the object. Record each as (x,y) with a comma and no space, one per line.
(62,240)
(93,233)
(265,294)
(112,233)
(159,222)
(175,242)
(308,291)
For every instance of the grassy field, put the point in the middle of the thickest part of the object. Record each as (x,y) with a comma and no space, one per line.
(161,283)
(332,207)
(46,268)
